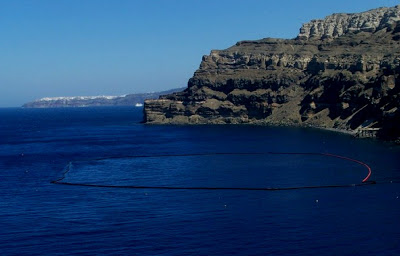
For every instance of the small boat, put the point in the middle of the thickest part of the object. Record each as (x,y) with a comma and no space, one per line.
(138,105)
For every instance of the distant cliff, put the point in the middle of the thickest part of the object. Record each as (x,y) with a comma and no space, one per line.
(94,101)
(340,72)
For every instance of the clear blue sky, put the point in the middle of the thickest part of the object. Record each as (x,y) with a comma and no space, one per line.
(98,47)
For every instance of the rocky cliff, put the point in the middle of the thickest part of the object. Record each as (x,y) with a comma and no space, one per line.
(340,72)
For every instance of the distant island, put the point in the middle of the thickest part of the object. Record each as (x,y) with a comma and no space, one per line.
(136,99)
(341,72)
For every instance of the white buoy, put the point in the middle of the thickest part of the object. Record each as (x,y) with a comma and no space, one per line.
(316,201)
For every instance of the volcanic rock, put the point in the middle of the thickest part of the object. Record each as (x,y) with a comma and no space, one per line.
(340,72)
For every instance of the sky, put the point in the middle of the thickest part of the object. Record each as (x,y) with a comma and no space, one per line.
(56,48)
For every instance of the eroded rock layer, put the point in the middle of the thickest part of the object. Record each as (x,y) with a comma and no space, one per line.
(348,79)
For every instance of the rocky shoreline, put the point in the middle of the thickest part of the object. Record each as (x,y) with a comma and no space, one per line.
(341,73)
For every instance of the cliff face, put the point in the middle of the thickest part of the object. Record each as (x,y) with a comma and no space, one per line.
(340,72)
(339,24)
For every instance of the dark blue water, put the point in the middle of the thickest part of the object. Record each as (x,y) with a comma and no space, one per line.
(40,218)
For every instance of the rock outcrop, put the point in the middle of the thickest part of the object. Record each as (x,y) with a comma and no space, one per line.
(339,24)
(341,72)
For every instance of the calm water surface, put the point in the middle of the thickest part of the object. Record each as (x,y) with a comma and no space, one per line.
(40,218)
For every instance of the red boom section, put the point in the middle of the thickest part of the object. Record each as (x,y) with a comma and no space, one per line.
(353,160)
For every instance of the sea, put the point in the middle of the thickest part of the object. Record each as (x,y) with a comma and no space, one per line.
(127,188)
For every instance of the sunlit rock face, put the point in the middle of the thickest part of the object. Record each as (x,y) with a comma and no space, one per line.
(340,72)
